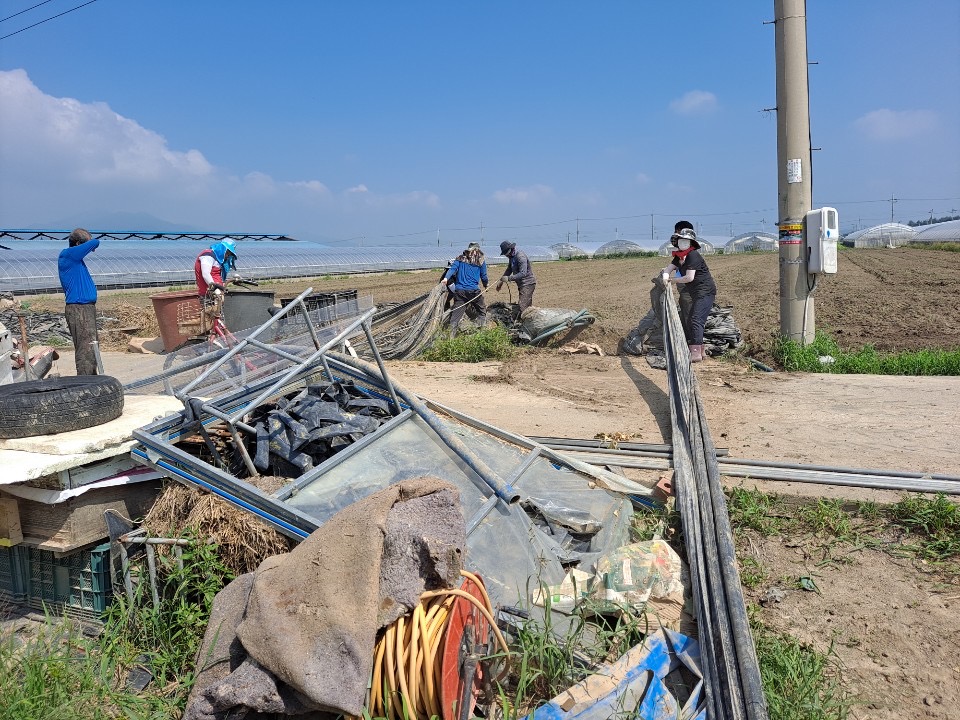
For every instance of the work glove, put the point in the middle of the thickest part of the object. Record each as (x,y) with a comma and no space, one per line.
(443,281)
(485,286)
(217,287)
(500,284)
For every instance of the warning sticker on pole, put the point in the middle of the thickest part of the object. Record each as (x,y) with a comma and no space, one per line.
(791,233)
(794,171)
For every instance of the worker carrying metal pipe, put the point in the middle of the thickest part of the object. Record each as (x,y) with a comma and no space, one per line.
(689,272)
(519,271)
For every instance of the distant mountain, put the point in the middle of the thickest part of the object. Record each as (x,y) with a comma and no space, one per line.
(117,221)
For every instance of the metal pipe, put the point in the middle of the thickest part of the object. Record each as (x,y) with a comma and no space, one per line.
(125,569)
(152,571)
(604,444)
(838,469)
(96,354)
(383,369)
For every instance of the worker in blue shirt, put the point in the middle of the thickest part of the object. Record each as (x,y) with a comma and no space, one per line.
(470,271)
(81,296)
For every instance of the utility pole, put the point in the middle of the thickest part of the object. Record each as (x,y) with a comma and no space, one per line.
(893,201)
(438,237)
(652,236)
(481,232)
(795,195)
(931,217)
(578,231)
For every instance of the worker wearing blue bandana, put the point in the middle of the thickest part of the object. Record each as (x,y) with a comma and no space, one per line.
(213,266)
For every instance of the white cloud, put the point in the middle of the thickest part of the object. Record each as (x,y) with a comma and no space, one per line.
(643,178)
(87,142)
(886,124)
(523,196)
(61,156)
(695,102)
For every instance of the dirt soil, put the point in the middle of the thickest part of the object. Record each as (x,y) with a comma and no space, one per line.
(894,625)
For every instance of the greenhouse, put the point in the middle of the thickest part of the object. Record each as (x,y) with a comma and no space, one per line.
(940,233)
(566,251)
(888,235)
(30,266)
(619,247)
(752,242)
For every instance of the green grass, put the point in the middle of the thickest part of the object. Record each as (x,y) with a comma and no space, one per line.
(754,510)
(935,524)
(799,682)
(795,357)
(61,673)
(484,344)
(918,526)
(947,246)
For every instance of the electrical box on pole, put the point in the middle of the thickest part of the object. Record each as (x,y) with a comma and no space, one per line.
(821,233)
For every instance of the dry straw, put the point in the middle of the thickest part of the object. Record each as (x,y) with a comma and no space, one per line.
(243,542)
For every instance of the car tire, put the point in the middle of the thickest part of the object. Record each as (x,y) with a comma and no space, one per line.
(56,405)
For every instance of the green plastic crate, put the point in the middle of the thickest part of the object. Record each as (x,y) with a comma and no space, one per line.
(78,583)
(13,574)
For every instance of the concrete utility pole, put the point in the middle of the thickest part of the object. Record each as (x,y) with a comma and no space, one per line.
(794,168)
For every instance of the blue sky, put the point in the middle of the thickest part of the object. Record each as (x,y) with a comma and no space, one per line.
(377,123)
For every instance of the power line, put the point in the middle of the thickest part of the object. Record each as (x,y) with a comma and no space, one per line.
(27,10)
(54,17)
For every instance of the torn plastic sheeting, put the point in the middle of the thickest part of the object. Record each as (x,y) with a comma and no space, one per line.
(507,547)
(634,686)
(52,497)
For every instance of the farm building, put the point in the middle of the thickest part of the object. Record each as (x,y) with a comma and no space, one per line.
(752,242)
(888,235)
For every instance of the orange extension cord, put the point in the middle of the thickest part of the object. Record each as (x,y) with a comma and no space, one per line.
(406,668)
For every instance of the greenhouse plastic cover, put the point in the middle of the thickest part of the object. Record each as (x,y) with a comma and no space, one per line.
(880,235)
(31,265)
(752,241)
(940,232)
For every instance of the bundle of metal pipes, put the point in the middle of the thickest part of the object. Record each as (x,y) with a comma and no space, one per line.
(730,670)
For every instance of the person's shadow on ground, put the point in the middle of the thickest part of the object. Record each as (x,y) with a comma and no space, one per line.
(657,400)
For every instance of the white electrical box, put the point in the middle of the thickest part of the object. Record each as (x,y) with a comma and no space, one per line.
(821,233)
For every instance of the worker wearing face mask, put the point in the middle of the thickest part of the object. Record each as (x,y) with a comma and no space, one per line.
(689,271)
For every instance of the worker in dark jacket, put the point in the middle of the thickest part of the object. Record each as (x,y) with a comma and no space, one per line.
(519,271)
(689,271)
(470,271)
(81,297)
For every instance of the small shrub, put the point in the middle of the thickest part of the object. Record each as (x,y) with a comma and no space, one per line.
(484,344)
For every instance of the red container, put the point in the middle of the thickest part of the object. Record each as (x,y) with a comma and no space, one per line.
(178,314)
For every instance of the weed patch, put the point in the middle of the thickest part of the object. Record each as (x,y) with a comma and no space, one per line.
(799,682)
(823,355)
(484,344)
